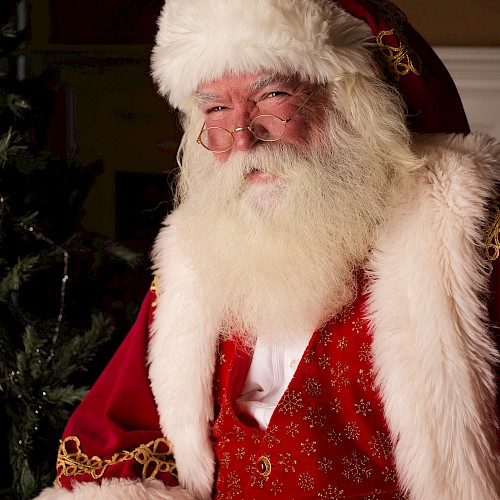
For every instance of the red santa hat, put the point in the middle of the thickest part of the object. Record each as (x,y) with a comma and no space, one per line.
(201,40)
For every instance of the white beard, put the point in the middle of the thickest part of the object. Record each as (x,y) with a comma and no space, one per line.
(277,260)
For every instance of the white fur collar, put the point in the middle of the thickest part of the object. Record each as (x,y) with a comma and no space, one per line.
(431,348)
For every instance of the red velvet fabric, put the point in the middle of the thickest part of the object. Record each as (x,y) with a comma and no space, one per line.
(433,102)
(327,437)
(119,413)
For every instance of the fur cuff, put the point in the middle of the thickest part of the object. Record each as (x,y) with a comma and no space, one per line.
(117,489)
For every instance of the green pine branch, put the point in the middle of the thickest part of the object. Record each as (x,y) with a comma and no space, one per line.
(40,396)
(17,274)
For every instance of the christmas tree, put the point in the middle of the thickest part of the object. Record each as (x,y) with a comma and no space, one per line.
(57,327)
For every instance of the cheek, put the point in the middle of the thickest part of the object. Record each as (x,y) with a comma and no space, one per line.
(297,133)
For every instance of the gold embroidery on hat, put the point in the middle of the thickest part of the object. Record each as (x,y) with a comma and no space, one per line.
(401,59)
(492,229)
(155,457)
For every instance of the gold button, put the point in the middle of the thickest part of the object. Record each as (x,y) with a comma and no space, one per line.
(264,466)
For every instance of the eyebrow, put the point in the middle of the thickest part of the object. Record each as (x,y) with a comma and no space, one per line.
(260,83)
(266,80)
(201,97)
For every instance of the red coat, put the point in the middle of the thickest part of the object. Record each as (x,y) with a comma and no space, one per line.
(328,433)
(430,346)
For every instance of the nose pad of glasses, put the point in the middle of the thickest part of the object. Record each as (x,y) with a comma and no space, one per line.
(244,139)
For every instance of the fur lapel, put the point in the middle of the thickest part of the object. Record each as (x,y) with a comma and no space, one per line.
(431,347)
(432,352)
(182,362)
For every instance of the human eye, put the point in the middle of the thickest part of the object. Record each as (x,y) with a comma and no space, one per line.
(276,94)
(214,109)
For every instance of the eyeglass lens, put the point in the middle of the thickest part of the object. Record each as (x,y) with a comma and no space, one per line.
(263,127)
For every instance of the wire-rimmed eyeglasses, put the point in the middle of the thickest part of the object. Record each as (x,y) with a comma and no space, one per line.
(267,128)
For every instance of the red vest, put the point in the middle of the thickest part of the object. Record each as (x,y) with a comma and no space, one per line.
(327,437)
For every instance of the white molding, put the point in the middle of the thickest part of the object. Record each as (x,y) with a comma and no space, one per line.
(476,72)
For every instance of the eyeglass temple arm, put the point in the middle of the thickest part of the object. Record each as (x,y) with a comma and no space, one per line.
(300,107)
(198,140)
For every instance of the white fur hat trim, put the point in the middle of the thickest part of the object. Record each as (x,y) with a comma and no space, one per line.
(201,40)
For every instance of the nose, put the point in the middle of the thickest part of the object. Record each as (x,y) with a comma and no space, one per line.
(243,139)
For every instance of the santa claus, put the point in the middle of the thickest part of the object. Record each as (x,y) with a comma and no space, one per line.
(318,323)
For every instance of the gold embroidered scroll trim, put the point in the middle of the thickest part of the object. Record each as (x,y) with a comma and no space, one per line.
(491,242)
(155,289)
(402,59)
(155,457)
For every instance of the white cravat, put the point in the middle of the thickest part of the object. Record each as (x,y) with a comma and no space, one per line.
(271,370)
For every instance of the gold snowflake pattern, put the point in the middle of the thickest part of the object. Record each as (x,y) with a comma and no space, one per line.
(240,436)
(335,437)
(309,356)
(306,481)
(309,447)
(325,465)
(363,407)
(380,445)
(352,431)
(390,475)
(250,468)
(313,387)
(225,460)
(287,462)
(315,417)
(324,361)
(256,438)
(292,428)
(373,496)
(331,493)
(344,315)
(223,441)
(233,486)
(357,326)
(276,487)
(336,405)
(259,481)
(218,426)
(325,336)
(342,343)
(271,437)
(290,403)
(365,352)
(356,468)
(339,378)
(240,453)
(365,379)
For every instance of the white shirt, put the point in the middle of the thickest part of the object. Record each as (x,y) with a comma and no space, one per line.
(271,370)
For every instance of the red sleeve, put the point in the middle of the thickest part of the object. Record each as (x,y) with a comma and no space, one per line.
(115,430)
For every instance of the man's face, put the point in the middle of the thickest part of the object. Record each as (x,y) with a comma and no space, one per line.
(278,227)
(234,101)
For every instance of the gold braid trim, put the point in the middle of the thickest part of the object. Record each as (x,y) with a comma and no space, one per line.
(155,457)
(492,229)
(402,59)
(155,289)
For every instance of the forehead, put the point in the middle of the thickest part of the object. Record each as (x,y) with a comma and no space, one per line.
(245,83)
